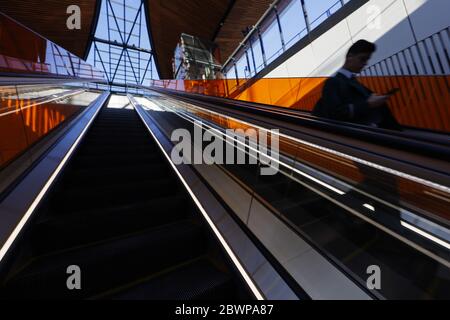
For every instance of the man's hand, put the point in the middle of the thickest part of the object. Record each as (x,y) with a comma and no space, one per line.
(376,101)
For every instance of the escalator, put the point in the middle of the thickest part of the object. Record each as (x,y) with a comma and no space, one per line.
(121,215)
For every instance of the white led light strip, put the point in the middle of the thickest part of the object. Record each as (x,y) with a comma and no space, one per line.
(230,252)
(62,97)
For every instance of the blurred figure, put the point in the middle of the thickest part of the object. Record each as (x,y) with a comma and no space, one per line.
(345,99)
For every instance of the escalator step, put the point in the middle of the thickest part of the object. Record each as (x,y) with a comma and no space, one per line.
(106,175)
(110,264)
(88,226)
(95,161)
(90,197)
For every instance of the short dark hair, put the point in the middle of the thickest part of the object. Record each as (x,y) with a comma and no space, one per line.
(362,46)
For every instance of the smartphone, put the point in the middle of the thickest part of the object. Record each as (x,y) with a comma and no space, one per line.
(392,91)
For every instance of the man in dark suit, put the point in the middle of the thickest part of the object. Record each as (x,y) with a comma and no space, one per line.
(345,99)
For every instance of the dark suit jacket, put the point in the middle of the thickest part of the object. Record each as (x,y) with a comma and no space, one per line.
(339,93)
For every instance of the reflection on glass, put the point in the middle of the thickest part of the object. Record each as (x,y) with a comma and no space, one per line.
(28,113)
(40,91)
(271,41)
(293,23)
(319,11)
(257,54)
(119,102)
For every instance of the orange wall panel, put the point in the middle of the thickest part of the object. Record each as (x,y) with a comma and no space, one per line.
(27,123)
(422,102)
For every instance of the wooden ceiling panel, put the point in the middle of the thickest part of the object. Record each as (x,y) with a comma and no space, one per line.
(221,21)
(168,19)
(49,17)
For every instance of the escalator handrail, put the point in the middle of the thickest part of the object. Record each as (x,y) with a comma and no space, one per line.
(307,115)
(372,135)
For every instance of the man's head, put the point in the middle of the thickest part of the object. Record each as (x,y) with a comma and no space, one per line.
(358,55)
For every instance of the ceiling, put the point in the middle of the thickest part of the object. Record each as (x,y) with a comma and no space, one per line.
(49,17)
(221,21)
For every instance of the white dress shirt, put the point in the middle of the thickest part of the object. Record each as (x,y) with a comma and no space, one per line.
(346,73)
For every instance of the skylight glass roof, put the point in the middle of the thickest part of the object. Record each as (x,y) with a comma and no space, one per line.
(121,47)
